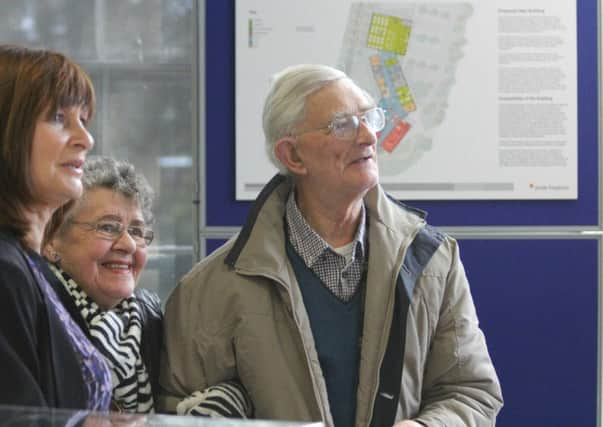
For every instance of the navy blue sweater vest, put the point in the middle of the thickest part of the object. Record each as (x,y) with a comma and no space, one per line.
(336,329)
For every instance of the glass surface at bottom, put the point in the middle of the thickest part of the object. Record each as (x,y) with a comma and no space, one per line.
(17,416)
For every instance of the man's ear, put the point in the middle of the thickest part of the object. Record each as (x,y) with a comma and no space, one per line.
(285,149)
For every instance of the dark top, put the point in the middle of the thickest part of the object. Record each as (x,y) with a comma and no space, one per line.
(335,327)
(93,367)
(38,363)
(152,325)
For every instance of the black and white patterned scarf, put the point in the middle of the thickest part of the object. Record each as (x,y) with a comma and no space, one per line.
(117,335)
(228,399)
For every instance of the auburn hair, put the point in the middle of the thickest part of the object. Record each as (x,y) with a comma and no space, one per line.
(33,83)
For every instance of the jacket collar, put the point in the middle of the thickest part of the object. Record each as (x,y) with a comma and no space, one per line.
(265,220)
(261,241)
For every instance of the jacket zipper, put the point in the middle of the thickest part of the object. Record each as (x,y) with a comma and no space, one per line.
(387,329)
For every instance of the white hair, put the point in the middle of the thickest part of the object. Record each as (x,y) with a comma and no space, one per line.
(285,103)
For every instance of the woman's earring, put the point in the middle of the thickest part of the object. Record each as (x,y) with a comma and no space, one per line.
(55,257)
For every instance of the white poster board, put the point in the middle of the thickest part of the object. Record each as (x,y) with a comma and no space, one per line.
(481,95)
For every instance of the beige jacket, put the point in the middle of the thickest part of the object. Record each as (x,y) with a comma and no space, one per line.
(239,314)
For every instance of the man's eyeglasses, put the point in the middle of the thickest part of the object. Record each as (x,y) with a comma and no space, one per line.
(345,126)
(113,230)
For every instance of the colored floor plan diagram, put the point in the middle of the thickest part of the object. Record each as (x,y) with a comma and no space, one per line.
(388,33)
(390,36)
(396,98)
(406,55)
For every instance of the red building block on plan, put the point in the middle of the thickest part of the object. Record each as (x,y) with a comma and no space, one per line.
(394,137)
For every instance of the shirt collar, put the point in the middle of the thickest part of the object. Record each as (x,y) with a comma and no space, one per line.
(307,243)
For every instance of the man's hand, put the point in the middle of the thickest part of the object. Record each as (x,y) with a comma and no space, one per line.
(408,423)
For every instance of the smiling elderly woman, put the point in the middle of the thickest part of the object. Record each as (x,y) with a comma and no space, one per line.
(97,255)
(97,251)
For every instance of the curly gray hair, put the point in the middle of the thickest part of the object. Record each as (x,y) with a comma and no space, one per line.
(119,176)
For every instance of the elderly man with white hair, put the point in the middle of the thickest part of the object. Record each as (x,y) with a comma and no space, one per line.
(334,303)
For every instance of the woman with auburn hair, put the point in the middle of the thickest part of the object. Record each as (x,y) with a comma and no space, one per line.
(46,102)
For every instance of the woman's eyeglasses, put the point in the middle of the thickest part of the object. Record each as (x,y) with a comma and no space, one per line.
(113,230)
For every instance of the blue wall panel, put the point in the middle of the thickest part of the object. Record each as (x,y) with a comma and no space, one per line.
(213,244)
(537,304)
